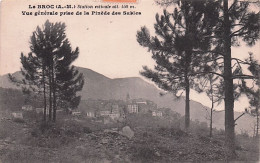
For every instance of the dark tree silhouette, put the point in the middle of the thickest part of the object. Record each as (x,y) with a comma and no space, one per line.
(48,66)
(175,50)
(235,23)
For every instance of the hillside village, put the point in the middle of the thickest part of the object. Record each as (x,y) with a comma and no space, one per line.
(101,88)
(118,108)
(108,111)
(131,130)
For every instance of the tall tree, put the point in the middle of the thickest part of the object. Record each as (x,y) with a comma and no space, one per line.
(180,36)
(52,55)
(235,23)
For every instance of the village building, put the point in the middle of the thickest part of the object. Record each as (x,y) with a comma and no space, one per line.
(114,116)
(111,110)
(116,109)
(140,106)
(41,111)
(27,108)
(157,113)
(141,102)
(132,108)
(90,114)
(76,113)
(17,115)
(103,113)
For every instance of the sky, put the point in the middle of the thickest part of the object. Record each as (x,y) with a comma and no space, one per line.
(107,44)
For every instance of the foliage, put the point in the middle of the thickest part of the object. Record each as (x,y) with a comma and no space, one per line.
(177,33)
(252,92)
(181,36)
(234,22)
(47,68)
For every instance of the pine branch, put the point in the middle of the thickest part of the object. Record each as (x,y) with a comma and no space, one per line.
(241,34)
(238,32)
(209,72)
(207,51)
(240,61)
(243,77)
(239,117)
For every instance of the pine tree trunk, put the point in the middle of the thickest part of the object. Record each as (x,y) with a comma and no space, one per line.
(44,94)
(54,94)
(187,104)
(255,130)
(187,100)
(210,128)
(257,122)
(228,87)
(50,96)
(187,89)
(212,107)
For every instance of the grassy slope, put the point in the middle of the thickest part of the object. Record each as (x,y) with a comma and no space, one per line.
(82,140)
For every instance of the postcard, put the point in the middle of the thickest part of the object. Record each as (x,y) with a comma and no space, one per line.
(129,81)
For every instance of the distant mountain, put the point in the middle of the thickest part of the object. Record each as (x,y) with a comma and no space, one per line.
(6,83)
(98,86)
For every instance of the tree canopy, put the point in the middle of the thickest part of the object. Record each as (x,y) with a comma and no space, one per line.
(48,68)
(180,36)
(206,34)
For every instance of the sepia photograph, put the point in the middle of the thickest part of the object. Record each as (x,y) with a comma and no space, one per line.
(129,81)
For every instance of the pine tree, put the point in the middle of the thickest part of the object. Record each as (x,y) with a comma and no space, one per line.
(235,22)
(48,66)
(175,50)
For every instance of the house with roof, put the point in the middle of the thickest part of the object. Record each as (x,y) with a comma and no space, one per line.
(112,110)
(140,106)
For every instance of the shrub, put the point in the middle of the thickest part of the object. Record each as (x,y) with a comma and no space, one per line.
(143,153)
(172,132)
(244,133)
(87,130)
(18,120)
